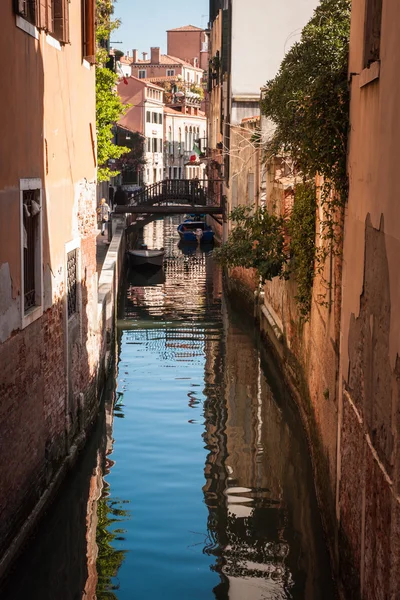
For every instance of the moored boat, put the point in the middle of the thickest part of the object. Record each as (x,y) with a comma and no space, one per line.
(144,257)
(195,232)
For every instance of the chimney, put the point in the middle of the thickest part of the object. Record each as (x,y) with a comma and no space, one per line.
(155,56)
(144,54)
(134,56)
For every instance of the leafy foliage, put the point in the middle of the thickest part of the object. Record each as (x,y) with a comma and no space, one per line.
(132,160)
(308,100)
(301,228)
(109,108)
(257,241)
(275,246)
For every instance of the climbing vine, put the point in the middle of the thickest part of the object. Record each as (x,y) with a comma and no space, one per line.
(109,107)
(257,242)
(276,246)
(301,228)
(308,101)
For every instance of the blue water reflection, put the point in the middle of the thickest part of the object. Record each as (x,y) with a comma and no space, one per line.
(215,469)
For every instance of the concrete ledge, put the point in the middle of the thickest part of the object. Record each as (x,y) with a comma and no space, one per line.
(108,272)
(277,331)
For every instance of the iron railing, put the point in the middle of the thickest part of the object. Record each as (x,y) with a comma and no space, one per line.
(72,276)
(31,232)
(175,191)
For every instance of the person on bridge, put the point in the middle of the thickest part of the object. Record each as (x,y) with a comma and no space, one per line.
(121,197)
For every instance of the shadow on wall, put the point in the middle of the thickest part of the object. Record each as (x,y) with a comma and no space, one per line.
(48,380)
(367,499)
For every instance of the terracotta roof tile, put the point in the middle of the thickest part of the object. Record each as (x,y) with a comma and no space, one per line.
(166,59)
(187,28)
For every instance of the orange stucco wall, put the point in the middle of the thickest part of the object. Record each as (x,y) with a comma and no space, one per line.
(48,106)
(368,494)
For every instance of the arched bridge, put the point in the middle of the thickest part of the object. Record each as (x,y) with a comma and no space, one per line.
(176,196)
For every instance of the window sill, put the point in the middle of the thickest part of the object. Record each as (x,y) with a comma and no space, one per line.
(26,26)
(86,64)
(370,74)
(32,315)
(53,42)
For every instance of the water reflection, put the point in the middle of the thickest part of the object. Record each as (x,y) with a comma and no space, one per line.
(197,482)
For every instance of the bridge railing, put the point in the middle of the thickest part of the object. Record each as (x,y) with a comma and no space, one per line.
(175,191)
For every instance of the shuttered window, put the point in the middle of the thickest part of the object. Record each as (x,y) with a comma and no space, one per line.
(27,9)
(61,20)
(88,31)
(372,35)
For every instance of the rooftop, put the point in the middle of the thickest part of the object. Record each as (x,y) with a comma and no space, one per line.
(166,59)
(186,28)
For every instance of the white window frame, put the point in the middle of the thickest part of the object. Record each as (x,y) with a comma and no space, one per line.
(140,71)
(170,72)
(37,311)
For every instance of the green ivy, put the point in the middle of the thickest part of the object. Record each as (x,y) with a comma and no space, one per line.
(275,246)
(308,100)
(301,228)
(256,242)
(109,107)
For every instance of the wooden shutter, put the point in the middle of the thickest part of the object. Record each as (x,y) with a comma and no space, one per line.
(89,35)
(61,20)
(44,16)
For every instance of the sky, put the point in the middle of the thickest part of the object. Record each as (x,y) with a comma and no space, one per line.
(145,22)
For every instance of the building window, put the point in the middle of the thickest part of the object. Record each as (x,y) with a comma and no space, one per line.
(155,117)
(148,116)
(175,172)
(170,72)
(170,140)
(27,9)
(186,139)
(148,144)
(60,20)
(160,118)
(154,144)
(372,35)
(32,244)
(72,281)
(179,140)
(142,74)
(190,148)
(88,31)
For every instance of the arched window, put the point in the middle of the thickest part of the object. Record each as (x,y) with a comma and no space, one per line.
(186,139)
(190,140)
(180,140)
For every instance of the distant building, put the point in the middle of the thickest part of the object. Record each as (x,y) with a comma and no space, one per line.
(164,65)
(189,43)
(185,141)
(240,65)
(146,116)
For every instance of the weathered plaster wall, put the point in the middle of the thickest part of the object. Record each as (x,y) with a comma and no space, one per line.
(48,377)
(368,502)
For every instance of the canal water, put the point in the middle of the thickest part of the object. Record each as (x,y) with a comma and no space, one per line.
(197,483)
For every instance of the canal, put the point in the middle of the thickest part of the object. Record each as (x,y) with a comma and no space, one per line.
(197,482)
